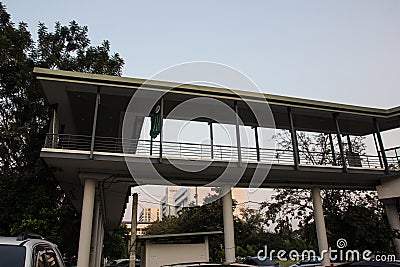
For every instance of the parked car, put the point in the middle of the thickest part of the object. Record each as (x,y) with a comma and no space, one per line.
(255,261)
(206,264)
(372,264)
(311,262)
(122,263)
(28,250)
(114,263)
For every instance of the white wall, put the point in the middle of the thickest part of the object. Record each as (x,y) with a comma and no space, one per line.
(162,254)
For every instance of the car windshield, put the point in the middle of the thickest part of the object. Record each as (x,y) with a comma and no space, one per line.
(12,256)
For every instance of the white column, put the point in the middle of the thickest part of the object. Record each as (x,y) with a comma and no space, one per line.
(95,235)
(229,234)
(320,226)
(101,242)
(97,247)
(86,223)
(393,218)
(207,250)
(132,250)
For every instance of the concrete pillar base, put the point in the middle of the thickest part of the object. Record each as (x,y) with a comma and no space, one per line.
(86,223)
(229,234)
(320,226)
(393,218)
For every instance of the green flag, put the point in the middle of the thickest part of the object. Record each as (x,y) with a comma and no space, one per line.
(155,128)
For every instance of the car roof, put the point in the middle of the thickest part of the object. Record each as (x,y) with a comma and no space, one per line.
(205,264)
(373,264)
(260,259)
(10,241)
(14,241)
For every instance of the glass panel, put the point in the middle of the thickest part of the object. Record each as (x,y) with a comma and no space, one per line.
(12,256)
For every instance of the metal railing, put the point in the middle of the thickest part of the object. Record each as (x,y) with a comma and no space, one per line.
(186,150)
(393,154)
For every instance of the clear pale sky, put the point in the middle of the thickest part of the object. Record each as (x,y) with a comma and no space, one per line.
(341,51)
(338,51)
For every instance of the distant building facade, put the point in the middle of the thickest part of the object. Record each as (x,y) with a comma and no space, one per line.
(140,228)
(149,215)
(177,198)
(167,206)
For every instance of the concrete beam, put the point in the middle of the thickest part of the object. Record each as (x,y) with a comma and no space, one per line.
(389,188)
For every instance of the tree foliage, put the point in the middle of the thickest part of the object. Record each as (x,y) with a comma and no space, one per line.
(30,198)
(116,243)
(315,148)
(68,48)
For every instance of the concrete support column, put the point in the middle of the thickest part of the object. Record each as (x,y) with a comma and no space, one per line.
(97,247)
(229,234)
(95,235)
(393,218)
(86,223)
(132,249)
(99,251)
(320,226)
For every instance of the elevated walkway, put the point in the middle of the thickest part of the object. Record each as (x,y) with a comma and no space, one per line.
(94,153)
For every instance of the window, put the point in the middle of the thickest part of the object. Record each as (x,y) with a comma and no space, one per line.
(45,257)
(12,256)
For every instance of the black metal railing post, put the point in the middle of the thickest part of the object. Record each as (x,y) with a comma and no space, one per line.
(161,129)
(238,143)
(332,150)
(381,146)
(257,142)
(377,151)
(338,135)
(53,125)
(96,110)
(151,146)
(295,144)
(211,140)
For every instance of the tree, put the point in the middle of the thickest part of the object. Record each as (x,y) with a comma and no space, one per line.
(68,48)
(315,148)
(357,216)
(116,243)
(30,198)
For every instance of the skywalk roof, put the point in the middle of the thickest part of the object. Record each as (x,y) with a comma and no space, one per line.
(308,115)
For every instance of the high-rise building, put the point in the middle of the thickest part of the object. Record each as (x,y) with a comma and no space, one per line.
(148,215)
(167,206)
(140,227)
(240,195)
(177,198)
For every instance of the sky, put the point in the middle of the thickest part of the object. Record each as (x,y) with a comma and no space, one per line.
(337,51)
